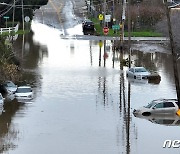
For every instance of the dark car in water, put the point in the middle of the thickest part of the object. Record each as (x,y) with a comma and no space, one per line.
(87,25)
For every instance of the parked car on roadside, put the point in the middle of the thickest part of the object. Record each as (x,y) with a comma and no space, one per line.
(138,73)
(87,25)
(159,106)
(1,99)
(10,87)
(24,93)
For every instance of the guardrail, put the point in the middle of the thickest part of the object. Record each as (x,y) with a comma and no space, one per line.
(9,29)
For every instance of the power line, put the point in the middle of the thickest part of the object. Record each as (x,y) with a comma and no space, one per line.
(8,9)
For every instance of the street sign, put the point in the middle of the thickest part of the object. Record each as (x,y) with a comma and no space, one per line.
(101,17)
(105,30)
(6,17)
(100,44)
(27,19)
(121,26)
(107,18)
(115,27)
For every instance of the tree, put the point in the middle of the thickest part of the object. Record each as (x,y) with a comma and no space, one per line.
(161,26)
(8,63)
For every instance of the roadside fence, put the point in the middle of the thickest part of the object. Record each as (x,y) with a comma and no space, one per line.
(9,29)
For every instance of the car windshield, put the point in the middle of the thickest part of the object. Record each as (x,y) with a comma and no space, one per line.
(24,90)
(140,70)
(10,84)
(150,105)
(89,23)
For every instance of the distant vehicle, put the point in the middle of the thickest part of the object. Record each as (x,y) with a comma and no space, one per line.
(1,99)
(24,93)
(162,119)
(87,25)
(138,73)
(159,106)
(88,32)
(10,87)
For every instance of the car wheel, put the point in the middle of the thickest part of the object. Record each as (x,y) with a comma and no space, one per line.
(146,113)
(134,77)
(126,75)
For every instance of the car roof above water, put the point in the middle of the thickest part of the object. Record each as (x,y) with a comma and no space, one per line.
(23,87)
(87,20)
(164,100)
(136,67)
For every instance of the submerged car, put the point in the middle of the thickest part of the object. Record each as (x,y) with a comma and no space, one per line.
(159,106)
(1,99)
(87,25)
(24,93)
(10,87)
(137,73)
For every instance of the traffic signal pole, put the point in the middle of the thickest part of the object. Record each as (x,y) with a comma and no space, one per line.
(104,26)
(122,28)
(129,32)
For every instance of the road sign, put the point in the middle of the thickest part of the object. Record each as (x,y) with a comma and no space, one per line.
(100,44)
(27,19)
(115,27)
(121,26)
(101,17)
(105,30)
(6,17)
(107,18)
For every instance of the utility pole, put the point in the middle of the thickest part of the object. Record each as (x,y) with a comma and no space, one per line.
(113,10)
(13,12)
(174,54)
(104,39)
(104,12)
(129,31)
(22,3)
(12,34)
(122,22)
(122,28)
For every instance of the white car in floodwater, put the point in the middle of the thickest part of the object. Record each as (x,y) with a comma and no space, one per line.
(1,99)
(10,87)
(159,106)
(138,73)
(24,93)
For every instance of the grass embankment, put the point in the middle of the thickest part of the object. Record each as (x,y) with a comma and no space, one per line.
(19,32)
(142,33)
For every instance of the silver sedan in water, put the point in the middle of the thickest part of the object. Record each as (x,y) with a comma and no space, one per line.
(137,73)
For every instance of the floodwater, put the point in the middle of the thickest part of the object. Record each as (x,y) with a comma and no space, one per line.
(80,107)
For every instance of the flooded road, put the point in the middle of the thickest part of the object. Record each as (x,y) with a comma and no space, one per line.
(80,107)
